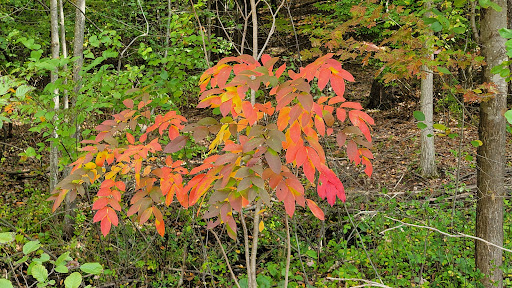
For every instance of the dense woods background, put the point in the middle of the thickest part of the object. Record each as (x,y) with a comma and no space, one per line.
(85,76)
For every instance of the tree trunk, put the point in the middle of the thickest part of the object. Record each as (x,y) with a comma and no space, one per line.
(491,155)
(428,152)
(54,151)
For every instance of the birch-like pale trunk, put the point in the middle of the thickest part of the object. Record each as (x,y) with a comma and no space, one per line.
(54,76)
(428,152)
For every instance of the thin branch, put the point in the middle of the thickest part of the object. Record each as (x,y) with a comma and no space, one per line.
(273,27)
(294,33)
(458,235)
(368,282)
(83,13)
(246,246)
(362,243)
(201,28)
(288,251)
(134,39)
(226,258)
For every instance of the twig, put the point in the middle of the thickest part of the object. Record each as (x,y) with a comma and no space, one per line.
(362,244)
(458,235)
(246,245)
(288,251)
(226,258)
(134,39)
(201,28)
(368,282)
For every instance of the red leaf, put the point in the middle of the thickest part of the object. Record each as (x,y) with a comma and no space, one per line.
(323,78)
(295,132)
(249,112)
(223,76)
(105,226)
(100,203)
(315,209)
(130,138)
(353,155)
(338,85)
(309,171)
(112,216)
(320,125)
(100,215)
(175,145)
(353,105)
(280,70)
(369,168)
(306,100)
(273,161)
(128,103)
(346,75)
(341,114)
(341,138)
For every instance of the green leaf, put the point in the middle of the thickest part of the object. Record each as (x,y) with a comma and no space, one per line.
(39,272)
(44,257)
(469,158)
(429,20)
(73,281)
(92,268)
(109,54)
(495,6)
(508,116)
(63,259)
(506,33)
(6,237)
(443,70)
(4,283)
(22,90)
(36,54)
(439,126)
(436,26)
(311,254)
(61,269)
(476,143)
(422,125)
(31,247)
(93,40)
(30,152)
(459,30)
(23,259)
(418,115)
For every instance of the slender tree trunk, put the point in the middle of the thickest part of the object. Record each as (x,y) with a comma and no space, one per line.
(254,15)
(491,155)
(78,47)
(64,47)
(54,151)
(168,30)
(428,158)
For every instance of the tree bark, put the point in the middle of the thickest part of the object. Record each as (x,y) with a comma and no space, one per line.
(54,151)
(491,155)
(428,152)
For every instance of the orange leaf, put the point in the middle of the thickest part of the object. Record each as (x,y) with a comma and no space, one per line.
(105,226)
(315,209)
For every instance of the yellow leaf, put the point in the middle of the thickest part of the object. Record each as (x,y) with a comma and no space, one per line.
(90,165)
(261,226)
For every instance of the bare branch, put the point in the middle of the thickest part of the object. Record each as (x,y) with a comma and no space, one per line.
(368,283)
(458,235)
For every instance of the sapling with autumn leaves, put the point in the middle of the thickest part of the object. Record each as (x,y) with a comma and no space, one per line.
(250,158)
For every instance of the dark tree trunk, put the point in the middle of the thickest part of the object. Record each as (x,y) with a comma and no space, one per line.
(491,155)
